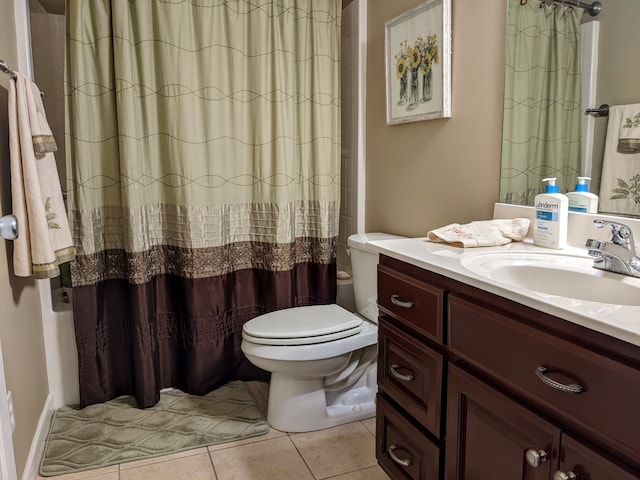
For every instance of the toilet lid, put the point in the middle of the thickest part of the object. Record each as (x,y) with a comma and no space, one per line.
(302,326)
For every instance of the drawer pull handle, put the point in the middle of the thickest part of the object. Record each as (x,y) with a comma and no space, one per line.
(571,388)
(395,299)
(560,475)
(535,458)
(405,462)
(400,376)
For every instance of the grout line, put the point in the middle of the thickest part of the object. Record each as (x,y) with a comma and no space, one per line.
(213,467)
(301,456)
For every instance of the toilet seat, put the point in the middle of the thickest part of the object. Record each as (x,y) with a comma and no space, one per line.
(302,326)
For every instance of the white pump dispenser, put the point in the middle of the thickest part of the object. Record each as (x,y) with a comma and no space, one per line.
(582,200)
(552,216)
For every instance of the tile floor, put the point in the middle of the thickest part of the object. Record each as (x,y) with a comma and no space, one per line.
(346,452)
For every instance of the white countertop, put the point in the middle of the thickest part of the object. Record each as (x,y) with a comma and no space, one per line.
(619,321)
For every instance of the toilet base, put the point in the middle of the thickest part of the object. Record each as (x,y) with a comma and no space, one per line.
(300,404)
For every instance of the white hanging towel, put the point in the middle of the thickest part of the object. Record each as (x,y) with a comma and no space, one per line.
(44,240)
(620,183)
(629,136)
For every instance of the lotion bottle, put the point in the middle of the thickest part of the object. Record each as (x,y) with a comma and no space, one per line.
(582,200)
(551,217)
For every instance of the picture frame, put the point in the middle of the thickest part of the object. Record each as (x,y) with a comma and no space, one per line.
(418,63)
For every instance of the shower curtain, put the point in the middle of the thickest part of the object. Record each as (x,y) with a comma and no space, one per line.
(542,100)
(203,151)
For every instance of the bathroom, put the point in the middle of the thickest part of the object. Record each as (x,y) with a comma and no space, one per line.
(451,164)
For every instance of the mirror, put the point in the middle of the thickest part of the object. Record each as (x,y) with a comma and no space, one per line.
(617,83)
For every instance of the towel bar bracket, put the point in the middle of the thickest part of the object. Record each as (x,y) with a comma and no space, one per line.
(601,111)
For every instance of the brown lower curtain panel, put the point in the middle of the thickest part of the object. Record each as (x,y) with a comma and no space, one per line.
(182,333)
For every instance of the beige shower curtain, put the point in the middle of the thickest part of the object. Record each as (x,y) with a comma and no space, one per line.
(203,150)
(541,130)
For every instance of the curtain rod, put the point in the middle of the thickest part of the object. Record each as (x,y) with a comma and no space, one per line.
(592,9)
(5,68)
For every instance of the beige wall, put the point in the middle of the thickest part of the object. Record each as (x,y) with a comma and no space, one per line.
(20,320)
(427,174)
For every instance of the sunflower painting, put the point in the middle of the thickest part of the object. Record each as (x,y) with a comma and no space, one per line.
(402,58)
(418,63)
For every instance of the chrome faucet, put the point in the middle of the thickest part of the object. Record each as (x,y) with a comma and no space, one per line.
(617,255)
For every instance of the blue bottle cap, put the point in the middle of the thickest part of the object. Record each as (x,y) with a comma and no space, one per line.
(551,186)
(581,186)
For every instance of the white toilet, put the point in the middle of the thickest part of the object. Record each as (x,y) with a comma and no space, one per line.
(322,358)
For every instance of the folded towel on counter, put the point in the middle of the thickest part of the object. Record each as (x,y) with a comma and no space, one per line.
(484,233)
(629,134)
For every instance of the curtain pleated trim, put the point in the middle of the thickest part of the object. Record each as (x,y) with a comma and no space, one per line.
(137,229)
(141,267)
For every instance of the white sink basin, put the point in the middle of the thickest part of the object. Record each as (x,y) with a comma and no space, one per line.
(556,275)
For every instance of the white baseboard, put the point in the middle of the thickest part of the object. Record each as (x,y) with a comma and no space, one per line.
(37,445)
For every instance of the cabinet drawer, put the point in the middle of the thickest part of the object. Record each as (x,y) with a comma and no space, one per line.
(401,449)
(411,374)
(510,351)
(413,302)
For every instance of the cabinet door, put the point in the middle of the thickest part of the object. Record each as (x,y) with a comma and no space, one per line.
(490,436)
(579,462)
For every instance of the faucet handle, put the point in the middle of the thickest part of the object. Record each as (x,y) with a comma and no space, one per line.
(621,234)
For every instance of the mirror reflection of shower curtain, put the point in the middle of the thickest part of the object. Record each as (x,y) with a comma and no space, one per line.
(204,156)
(542,100)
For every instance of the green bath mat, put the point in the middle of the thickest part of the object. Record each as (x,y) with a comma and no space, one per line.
(117,431)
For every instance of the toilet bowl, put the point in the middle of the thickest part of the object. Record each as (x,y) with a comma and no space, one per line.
(322,358)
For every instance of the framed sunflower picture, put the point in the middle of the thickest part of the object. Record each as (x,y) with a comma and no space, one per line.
(418,63)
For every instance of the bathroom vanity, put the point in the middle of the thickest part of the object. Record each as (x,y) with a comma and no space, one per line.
(481,381)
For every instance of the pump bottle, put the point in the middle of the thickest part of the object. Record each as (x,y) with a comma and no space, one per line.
(551,217)
(581,200)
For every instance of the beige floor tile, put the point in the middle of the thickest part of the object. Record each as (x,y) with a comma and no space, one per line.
(370,424)
(105,473)
(275,459)
(371,473)
(336,450)
(164,458)
(193,467)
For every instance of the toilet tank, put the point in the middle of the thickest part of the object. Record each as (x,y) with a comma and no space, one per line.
(364,265)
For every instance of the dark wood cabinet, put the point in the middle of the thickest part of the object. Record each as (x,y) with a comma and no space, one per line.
(473,386)
(583,388)
(411,371)
(489,436)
